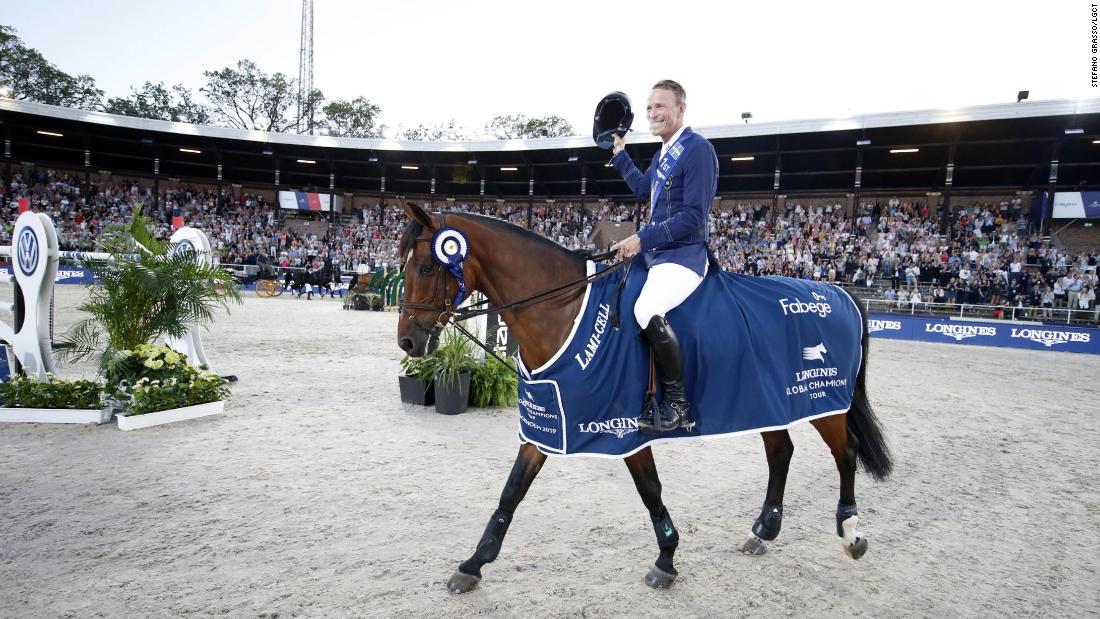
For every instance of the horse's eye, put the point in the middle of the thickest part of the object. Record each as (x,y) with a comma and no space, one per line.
(426,269)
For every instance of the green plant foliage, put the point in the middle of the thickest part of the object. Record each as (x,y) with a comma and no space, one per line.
(494,384)
(134,301)
(454,356)
(154,378)
(423,368)
(29,392)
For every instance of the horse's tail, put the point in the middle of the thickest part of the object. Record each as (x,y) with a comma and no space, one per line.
(872,451)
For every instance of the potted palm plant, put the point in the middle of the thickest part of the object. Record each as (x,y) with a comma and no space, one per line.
(453,361)
(147,289)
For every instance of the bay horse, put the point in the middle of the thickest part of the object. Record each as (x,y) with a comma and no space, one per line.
(507,264)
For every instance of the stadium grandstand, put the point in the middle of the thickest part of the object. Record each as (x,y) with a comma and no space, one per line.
(912,210)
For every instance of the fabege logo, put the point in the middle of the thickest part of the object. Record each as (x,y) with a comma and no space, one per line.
(1049,338)
(619,426)
(799,306)
(814,353)
(874,325)
(960,332)
(27,248)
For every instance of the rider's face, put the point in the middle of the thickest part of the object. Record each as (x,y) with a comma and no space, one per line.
(664,114)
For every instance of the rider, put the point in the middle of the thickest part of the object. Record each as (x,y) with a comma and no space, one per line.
(679,185)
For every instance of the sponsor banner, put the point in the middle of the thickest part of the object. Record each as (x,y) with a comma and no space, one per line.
(938,329)
(1076,205)
(541,418)
(309,201)
(65,274)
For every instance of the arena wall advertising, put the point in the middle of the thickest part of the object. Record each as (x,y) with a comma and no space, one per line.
(1076,205)
(66,274)
(1007,335)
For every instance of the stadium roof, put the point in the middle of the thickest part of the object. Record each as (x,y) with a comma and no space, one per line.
(993,147)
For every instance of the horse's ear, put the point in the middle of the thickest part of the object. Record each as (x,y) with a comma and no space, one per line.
(417,214)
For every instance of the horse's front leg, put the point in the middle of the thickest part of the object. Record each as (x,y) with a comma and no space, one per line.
(779,449)
(644,471)
(527,466)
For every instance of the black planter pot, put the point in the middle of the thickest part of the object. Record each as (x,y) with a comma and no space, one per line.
(416,391)
(452,399)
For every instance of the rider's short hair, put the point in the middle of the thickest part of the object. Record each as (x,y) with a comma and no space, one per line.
(675,87)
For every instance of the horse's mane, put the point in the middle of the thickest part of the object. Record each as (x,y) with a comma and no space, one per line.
(414,229)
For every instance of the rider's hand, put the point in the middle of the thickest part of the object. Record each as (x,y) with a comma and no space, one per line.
(628,247)
(618,145)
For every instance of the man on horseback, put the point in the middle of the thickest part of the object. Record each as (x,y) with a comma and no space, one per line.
(679,185)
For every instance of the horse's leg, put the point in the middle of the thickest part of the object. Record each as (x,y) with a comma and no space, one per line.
(834,429)
(527,465)
(779,449)
(644,472)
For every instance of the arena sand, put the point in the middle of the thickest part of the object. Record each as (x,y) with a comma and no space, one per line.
(319,494)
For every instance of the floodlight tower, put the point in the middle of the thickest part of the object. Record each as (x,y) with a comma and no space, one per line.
(305,69)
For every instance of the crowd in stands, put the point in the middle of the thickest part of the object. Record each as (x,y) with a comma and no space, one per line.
(989,254)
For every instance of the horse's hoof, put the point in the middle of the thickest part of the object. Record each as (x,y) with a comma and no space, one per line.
(462,583)
(857,548)
(753,545)
(659,579)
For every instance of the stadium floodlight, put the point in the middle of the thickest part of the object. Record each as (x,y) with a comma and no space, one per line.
(573,158)
(745,116)
(1068,131)
(372,159)
(309,161)
(191,150)
(863,142)
(50,133)
(508,169)
(1020,96)
(471,162)
(1096,141)
(410,167)
(904,150)
(746,158)
(267,151)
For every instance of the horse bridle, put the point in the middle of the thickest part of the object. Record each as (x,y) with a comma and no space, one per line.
(448,311)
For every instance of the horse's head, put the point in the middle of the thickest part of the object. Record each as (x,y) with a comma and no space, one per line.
(430,290)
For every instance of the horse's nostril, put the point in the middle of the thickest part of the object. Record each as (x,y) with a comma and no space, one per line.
(406,344)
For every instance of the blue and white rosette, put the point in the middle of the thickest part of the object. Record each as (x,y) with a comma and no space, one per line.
(450,248)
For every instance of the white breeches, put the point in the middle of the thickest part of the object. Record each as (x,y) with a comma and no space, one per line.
(668,286)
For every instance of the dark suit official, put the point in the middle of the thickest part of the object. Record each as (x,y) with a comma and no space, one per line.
(679,186)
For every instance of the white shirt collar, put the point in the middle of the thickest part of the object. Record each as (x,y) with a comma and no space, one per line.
(675,136)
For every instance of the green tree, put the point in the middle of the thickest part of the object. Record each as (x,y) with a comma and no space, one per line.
(158,102)
(357,118)
(26,75)
(448,131)
(518,126)
(247,98)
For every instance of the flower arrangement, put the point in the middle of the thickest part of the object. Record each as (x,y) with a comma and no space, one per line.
(153,378)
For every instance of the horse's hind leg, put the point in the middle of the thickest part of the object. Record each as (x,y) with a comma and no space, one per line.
(527,466)
(644,471)
(779,449)
(834,429)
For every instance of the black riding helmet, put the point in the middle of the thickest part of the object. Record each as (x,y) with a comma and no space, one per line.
(613,116)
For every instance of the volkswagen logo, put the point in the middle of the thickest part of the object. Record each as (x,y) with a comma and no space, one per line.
(27,250)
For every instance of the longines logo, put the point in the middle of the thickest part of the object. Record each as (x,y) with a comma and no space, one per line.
(27,248)
(960,332)
(619,426)
(1049,338)
(875,325)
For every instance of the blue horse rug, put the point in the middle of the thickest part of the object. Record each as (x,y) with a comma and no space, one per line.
(760,353)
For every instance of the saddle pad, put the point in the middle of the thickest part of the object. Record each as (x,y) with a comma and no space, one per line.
(760,353)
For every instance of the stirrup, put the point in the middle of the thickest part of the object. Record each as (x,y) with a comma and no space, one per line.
(652,421)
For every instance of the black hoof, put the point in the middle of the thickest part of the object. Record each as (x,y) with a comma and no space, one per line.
(462,583)
(857,549)
(659,579)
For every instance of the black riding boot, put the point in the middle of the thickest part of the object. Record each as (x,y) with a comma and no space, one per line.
(673,410)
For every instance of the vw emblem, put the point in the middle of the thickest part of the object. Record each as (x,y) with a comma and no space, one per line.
(27,250)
